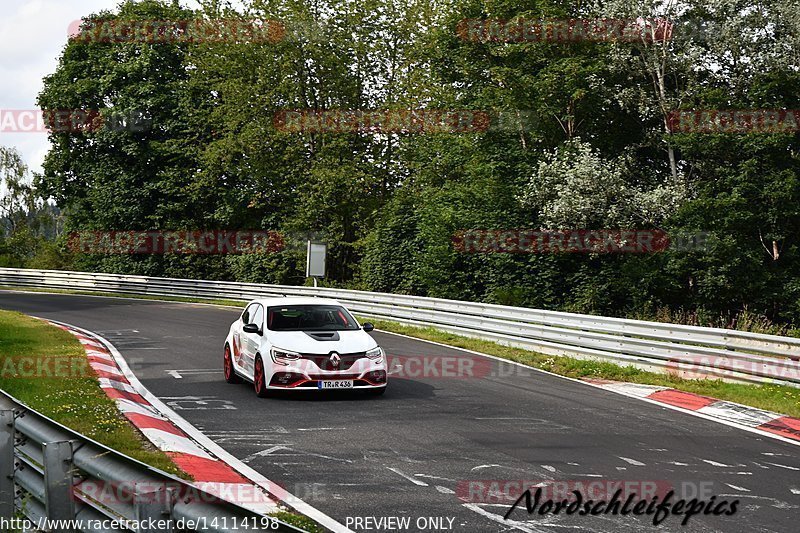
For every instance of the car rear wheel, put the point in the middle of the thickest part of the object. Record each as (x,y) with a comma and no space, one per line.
(259,379)
(227,367)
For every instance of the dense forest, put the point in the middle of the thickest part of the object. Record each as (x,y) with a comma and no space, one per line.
(575,133)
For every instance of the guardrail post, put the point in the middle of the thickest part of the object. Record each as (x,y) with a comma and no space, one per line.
(7,434)
(154,509)
(58,479)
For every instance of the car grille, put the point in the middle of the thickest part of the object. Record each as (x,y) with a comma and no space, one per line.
(323,361)
(328,377)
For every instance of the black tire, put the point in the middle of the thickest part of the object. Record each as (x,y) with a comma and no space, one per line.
(258,379)
(227,368)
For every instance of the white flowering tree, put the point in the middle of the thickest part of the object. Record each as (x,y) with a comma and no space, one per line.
(575,187)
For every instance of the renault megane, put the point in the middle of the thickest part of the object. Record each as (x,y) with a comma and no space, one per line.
(302,344)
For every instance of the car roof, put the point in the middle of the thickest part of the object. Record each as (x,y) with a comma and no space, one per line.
(294,300)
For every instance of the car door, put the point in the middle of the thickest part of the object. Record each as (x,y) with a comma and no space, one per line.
(252,341)
(238,339)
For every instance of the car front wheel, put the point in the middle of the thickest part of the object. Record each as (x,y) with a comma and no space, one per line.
(259,379)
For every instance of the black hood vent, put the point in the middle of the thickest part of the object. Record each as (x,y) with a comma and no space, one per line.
(323,335)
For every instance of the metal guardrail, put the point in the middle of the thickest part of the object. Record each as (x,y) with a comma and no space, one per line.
(49,472)
(685,350)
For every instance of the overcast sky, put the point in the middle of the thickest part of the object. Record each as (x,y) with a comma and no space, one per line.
(32,36)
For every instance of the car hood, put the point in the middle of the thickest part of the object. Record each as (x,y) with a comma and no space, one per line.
(300,341)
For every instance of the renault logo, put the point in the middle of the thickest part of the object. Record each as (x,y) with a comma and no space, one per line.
(335,359)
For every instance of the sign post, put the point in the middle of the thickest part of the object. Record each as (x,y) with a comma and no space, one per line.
(316,254)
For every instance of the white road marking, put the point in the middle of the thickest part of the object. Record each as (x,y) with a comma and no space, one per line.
(444,490)
(736,487)
(175,374)
(250,435)
(480,467)
(318,429)
(521,526)
(549,468)
(195,403)
(783,466)
(677,463)
(633,462)
(324,457)
(407,477)
(264,453)
(714,463)
(795,491)
(434,477)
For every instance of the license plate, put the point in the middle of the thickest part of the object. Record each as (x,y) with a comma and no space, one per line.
(336,384)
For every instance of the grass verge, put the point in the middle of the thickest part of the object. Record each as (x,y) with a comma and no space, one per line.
(777,398)
(46,368)
(296,520)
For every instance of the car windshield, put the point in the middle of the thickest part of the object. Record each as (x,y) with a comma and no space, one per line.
(310,317)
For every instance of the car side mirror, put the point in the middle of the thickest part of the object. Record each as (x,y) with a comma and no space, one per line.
(251,328)
(368,326)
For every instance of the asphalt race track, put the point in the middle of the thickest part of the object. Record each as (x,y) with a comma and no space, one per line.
(411,452)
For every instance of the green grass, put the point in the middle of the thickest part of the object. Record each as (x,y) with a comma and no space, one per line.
(296,520)
(742,320)
(69,393)
(64,387)
(777,398)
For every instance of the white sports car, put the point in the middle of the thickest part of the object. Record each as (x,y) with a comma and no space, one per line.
(302,344)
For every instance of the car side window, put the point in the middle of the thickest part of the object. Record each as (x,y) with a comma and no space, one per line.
(258,316)
(248,313)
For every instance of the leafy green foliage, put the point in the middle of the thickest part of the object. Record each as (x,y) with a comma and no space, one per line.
(595,150)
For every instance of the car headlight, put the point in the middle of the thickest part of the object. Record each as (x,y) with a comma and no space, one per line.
(283,357)
(376,354)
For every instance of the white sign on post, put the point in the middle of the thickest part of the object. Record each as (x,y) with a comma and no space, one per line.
(315,260)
